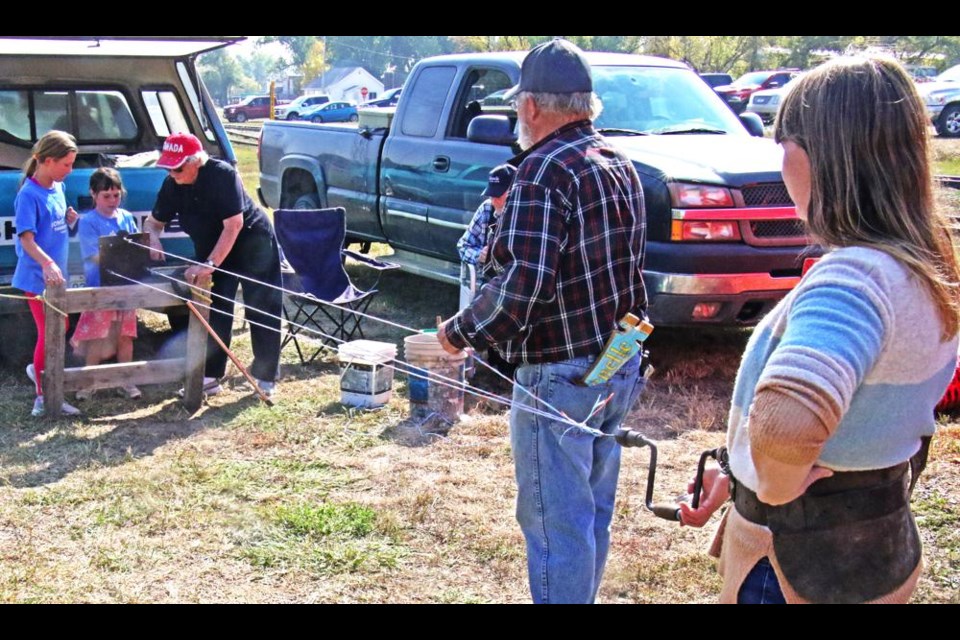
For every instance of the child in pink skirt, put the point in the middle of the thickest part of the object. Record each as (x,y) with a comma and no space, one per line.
(104,333)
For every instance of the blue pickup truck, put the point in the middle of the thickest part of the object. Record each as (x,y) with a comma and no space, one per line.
(120,97)
(724,242)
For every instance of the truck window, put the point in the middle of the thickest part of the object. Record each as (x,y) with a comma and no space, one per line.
(478,85)
(195,101)
(15,114)
(94,115)
(166,116)
(425,108)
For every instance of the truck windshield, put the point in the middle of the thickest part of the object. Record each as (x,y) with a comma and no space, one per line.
(658,99)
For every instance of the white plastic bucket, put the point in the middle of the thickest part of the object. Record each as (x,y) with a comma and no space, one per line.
(365,380)
(428,394)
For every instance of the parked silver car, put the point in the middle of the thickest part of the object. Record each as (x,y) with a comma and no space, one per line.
(942,97)
(766,102)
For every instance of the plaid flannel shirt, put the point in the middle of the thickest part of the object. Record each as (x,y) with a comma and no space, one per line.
(474,239)
(567,254)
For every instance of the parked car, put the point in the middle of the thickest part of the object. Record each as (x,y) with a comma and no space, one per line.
(291,110)
(766,102)
(738,94)
(390,98)
(331,112)
(942,97)
(248,109)
(717,79)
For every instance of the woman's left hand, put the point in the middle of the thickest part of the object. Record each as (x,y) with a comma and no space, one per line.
(716,491)
(780,483)
(72,216)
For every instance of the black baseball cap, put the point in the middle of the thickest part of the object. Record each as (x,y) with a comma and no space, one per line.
(557,66)
(499,180)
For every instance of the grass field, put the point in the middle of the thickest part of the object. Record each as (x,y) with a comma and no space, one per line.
(313,502)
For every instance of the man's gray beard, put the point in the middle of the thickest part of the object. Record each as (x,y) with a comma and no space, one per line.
(523,138)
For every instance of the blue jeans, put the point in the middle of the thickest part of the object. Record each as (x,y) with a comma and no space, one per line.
(761,586)
(566,478)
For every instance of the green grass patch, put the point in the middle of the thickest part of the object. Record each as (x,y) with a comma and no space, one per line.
(329,538)
(949,167)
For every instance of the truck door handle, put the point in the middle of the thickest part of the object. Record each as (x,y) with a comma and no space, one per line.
(441,163)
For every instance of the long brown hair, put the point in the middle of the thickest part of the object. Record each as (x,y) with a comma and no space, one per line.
(864,127)
(53,144)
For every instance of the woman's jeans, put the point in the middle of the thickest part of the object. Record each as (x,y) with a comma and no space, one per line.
(761,586)
(567,478)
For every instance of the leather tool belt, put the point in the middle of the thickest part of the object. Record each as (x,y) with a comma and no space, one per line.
(849,538)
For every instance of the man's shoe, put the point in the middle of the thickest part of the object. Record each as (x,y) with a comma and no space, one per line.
(211,387)
(85,394)
(130,391)
(268,388)
(37,406)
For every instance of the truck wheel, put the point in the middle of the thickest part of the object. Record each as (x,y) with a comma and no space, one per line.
(948,124)
(241,117)
(307,201)
(293,115)
(354,117)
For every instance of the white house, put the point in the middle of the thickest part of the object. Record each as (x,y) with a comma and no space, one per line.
(345,83)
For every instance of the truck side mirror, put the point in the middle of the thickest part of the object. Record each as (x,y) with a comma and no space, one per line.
(491,130)
(752,123)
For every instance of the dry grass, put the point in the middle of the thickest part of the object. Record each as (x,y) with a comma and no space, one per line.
(306,502)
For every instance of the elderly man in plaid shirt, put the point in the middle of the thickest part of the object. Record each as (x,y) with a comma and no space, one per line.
(567,258)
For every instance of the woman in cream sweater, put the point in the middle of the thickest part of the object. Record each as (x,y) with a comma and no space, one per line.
(833,404)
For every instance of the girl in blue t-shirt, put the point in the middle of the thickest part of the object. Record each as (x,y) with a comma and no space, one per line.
(43,222)
(101,334)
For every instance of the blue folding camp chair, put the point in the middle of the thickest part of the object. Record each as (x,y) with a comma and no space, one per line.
(324,299)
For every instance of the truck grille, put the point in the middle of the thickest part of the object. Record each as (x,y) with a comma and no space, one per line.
(777,228)
(766,195)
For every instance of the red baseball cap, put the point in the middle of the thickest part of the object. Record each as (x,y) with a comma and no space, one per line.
(177,148)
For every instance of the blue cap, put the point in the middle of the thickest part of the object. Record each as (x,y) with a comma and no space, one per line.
(499,181)
(557,66)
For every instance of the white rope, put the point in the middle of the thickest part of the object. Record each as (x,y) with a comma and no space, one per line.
(558,414)
(399,365)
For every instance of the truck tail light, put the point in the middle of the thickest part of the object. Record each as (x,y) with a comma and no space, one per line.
(705,310)
(704,231)
(688,196)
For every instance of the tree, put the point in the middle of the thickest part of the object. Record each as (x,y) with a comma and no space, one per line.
(315,64)
(223,75)
(298,46)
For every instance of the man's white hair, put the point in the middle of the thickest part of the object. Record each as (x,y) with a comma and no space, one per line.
(584,105)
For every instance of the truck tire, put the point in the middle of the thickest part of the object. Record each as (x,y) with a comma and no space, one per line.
(241,117)
(308,201)
(948,124)
(293,115)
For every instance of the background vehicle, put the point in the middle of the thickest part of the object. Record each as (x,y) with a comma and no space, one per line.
(331,112)
(738,93)
(291,110)
(120,102)
(389,99)
(717,79)
(248,109)
(724,243)
(766,102)
(942,97)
